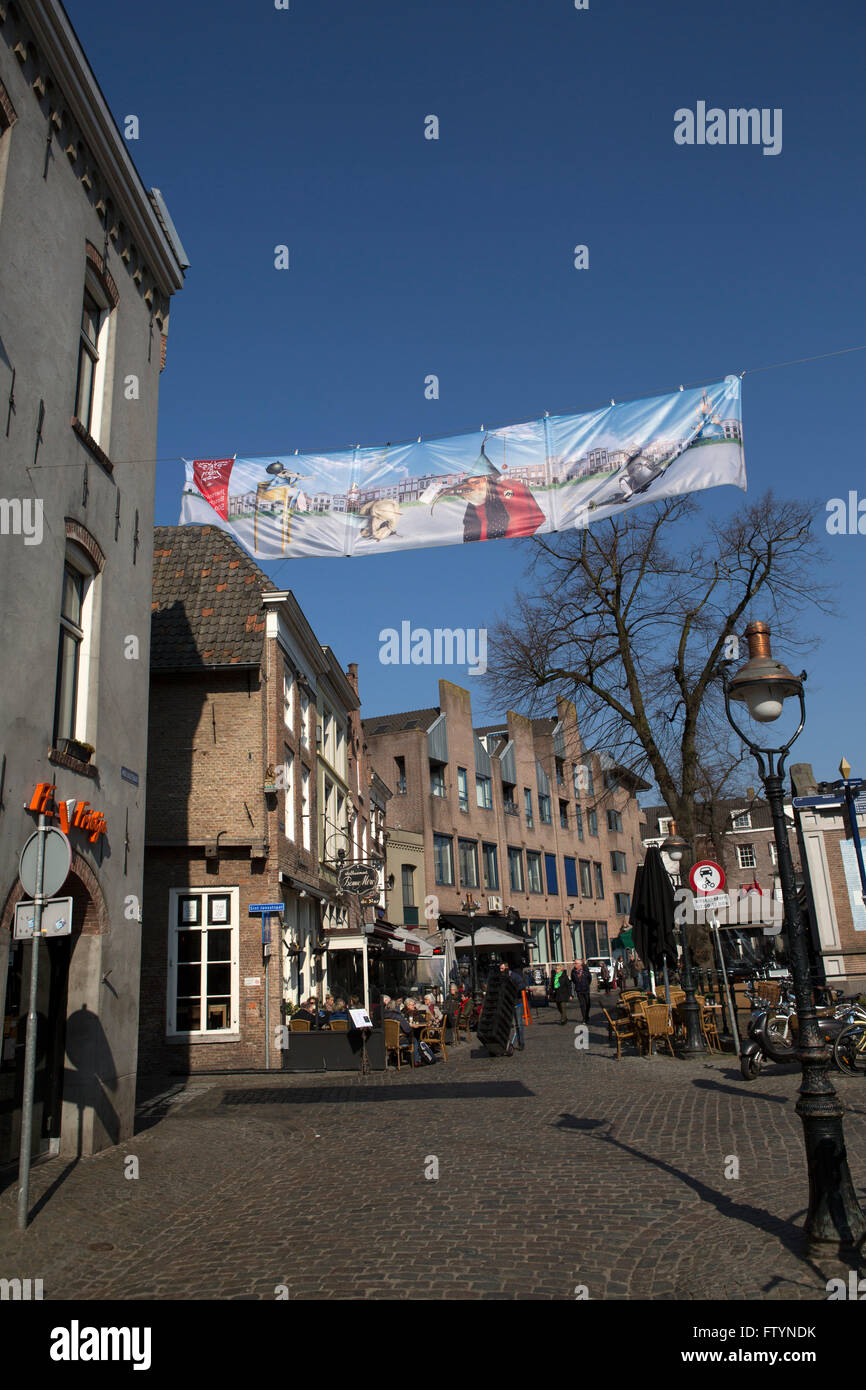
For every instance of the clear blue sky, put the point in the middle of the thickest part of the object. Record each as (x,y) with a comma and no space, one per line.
(454,257)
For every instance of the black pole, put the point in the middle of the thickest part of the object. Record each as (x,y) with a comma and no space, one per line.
(835,1216)
(694,1046)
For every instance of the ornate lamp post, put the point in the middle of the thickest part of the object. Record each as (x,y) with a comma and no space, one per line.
(675,847)
(834,1216)
(470,907)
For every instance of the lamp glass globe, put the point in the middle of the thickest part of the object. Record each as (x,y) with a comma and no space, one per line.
(763,702)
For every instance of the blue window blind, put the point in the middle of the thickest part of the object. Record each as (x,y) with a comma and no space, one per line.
(550,871)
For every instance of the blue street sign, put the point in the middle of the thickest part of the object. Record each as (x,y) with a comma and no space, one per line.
(266,907)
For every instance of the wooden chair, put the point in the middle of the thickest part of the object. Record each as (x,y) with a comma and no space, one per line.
(619,1029)
(768,990)
(710,1030)
(658,1027)
(461,1021)
(394,1040)
(339,1025)
(299,1025)
(434,1034)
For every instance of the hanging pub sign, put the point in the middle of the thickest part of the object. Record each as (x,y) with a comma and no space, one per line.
(358,878)
(556,473)
(71,815)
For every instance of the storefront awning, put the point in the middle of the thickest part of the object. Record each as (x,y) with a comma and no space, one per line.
(488,931)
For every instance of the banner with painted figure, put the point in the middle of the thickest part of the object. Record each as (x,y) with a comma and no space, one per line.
(518,480)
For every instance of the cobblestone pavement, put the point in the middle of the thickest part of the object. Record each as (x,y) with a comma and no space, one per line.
(558,1168)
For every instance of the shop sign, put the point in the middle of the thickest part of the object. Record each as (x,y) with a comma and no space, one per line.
(72,815)
(358,878)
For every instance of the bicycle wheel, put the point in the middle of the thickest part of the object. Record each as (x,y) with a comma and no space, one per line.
(849,1049)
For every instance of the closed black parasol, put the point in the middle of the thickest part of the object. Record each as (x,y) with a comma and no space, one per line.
(652,913)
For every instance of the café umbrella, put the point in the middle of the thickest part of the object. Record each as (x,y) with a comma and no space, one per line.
(652,914)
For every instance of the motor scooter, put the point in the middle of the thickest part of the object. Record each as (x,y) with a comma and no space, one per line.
(771,1035)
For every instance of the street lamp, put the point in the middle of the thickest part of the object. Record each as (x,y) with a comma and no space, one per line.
(470,907)
(834,1216)
(695,1046)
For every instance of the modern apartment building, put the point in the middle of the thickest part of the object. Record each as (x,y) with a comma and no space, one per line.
(89,262)
(517,814)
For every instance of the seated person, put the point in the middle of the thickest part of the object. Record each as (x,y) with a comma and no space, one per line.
(405,1027)
(310,1012)
(339,1010)
(434,1013)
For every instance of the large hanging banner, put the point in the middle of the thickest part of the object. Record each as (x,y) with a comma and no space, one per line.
(560,472)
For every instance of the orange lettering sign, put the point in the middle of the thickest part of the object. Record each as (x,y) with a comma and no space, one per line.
(79,815)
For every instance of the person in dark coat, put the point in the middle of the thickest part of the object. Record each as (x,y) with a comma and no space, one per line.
(561,987)
(520,985)
(581,978)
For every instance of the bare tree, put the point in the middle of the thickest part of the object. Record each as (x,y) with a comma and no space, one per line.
(630,620)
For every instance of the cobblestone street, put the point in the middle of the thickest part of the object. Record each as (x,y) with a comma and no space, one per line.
(558,1168)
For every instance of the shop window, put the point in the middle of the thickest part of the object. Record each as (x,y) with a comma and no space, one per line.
(202,962)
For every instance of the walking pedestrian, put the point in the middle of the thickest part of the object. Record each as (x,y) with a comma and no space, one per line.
(575,978)
(520,985)
(619,975)
(604,977)
(561,991)
(582,976)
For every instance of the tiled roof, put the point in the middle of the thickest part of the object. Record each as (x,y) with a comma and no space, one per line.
(758,810)
(207,600)
(398,723)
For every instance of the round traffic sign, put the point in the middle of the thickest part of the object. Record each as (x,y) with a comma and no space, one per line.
(707,877)
(56,863)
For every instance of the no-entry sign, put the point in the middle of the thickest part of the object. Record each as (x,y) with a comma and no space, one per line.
(707,877)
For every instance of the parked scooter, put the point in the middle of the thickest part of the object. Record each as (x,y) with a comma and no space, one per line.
(772,1033)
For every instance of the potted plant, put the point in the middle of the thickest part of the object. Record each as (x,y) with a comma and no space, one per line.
(75,748)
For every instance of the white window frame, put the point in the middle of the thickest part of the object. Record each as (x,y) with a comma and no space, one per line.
(305,719)
(289,766)
(306,834)
(288,698)
(742,851)
(203,894)
(774,852)
(81,723)
(741,821)
(98,413)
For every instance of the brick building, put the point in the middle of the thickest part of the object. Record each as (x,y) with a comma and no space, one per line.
(738,834)
(89,263)
(833,891)
(516,814)
(258,791)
